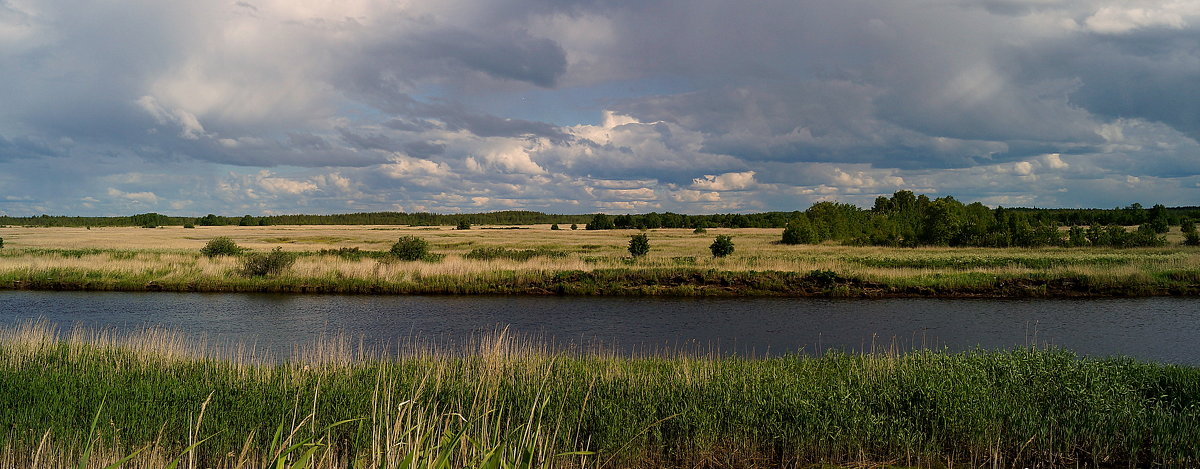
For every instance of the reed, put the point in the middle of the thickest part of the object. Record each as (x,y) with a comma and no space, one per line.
(507,398)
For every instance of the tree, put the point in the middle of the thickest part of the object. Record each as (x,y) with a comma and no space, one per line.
(410,248)
(799,231)
(463,225)
(600,221)
(555,227)
(1,243)
(574,226)
(639,245)
(722,246)
(247,220)
(220,246)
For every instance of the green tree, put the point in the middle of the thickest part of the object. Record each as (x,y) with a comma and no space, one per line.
(410,248)
(220,246)
(1,243)
(722,246)
(574,226)
(639,245)
(247,220)
(799,231)
(463,225)
(555,227)
(600,221)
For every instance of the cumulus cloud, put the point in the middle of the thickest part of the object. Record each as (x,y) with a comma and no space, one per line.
(288,105)
(725,182)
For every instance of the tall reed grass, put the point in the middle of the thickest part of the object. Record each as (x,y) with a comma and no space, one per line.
(506,401)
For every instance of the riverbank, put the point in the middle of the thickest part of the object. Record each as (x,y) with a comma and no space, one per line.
(156,394)
(540,261)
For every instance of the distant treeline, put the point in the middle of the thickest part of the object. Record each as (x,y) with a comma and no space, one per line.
(904,219)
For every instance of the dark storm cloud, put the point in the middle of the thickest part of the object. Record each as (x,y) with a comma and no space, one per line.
(514,56)
(423,105)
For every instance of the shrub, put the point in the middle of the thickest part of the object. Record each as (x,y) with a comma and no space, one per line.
(639,245)
(700,230)
(555,227)
(410,248)
(185,225)
(267,264)
(463,225)
(799,231)
(220,246)
(1,242)
(1191,238)
(722,246)
(574,226)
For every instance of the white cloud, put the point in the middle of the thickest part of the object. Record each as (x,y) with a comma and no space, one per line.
(1126,16)
(725,182)
(279,185)
(148,198)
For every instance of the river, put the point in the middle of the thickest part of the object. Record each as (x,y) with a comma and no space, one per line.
(1157,329)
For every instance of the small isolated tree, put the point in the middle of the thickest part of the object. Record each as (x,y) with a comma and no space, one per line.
(700,230)
(722,246)
(267,264)
(1190,236)
(555,227)
(574,226)
(221,246)
(410,248)
(463,225)
(639,245)
(1,242)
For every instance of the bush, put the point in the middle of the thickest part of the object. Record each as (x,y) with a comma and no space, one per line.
(1,242)
(410,248)
(185,225)
(220,246)
(722,246)
(639,245)
(1191,238)
(463,225)
(555,227)
(799,231)
(268,264)
(700,230)
(574,226)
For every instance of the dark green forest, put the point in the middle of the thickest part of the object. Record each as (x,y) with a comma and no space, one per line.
(904,219)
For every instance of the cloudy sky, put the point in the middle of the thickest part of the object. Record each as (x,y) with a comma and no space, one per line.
(576,106)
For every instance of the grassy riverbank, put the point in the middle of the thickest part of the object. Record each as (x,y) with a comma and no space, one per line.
(156,393)
(537,260)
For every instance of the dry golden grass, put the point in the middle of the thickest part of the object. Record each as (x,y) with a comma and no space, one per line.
(171,254)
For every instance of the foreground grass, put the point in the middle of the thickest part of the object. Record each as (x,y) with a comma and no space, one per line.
(540,261)
(506,401)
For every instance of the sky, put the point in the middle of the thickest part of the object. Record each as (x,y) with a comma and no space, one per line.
(262,107)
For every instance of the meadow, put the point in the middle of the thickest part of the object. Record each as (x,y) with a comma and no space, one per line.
(92,398)
(537,260)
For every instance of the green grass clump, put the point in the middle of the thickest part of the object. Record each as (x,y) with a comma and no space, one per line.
(519,255)
(1024,407)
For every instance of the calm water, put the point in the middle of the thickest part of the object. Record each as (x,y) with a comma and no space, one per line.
(1158,329)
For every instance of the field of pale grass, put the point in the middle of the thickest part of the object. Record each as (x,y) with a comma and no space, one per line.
(168,258)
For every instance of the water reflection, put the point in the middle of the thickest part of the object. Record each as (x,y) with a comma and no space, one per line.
(1159,329)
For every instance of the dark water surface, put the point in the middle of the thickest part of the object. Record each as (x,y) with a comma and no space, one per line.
(1155,329)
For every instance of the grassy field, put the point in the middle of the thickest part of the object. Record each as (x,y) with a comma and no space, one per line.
(537,260)
(506,402)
